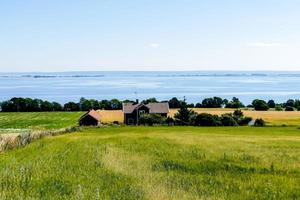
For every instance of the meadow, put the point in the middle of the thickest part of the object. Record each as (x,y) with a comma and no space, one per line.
(38,120)
(156,163)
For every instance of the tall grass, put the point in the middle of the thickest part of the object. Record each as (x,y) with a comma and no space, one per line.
(14,140)
(156,163)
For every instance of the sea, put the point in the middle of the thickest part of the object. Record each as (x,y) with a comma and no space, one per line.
(194,86)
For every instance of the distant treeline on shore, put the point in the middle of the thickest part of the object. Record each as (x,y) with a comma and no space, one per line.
(37,105)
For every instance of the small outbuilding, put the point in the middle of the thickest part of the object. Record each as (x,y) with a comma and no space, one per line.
(91,118)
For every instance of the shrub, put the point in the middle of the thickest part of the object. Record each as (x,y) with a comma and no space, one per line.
(259,122)
(289,108)
(151,119)
(170,121)
(205,119)
(245,121)
(238,114)
(228,120)
(278,108)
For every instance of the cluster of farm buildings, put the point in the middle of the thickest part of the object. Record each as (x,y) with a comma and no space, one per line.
(131,111)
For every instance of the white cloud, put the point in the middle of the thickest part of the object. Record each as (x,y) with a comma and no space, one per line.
(263,44)
(154,45)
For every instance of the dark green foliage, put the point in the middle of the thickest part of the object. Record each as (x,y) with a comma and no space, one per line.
(170,121)
(289,108)
(46,106)
(238,115)
(297,103)
(71,106)
(152,119)
(57,107)
(290,102)
(190,105)
(198,105)
(215,102)
(205,119)
(278,108)
(271,104)
(260,105)
(245,121)
(234,103)
(184,116)
(85,105)
(104,104)
(150,100)
(259,122)
(175,103)
(188,117)
(228,120)
(29,105)
(115,104)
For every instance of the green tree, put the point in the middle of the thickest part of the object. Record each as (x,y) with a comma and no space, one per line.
(290,103)
(57,106)
(271,104)
(260,105)
(115,104)
(46,106)
(150,100)
(234,103)
(215,102)
(71,106)
(175,103)
(184,116)
(85,104)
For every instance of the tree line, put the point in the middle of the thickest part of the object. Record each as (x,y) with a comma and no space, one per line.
(37,105)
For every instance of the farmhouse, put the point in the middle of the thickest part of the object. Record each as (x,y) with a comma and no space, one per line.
(132,111)
(91,118)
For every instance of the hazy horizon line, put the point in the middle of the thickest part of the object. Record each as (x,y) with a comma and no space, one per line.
(212,70)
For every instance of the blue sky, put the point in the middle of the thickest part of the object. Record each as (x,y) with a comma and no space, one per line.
(56,35)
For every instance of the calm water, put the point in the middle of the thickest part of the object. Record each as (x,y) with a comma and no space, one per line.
(70,86)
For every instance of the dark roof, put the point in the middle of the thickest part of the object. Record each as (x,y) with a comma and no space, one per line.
(94,114)
(158,108)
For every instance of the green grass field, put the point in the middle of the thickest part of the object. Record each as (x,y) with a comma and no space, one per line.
(39,120)
(156,163)
(56,120)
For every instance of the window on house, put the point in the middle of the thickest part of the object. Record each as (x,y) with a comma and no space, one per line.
(142,112)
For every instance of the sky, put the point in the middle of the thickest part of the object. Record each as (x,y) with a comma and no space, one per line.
(98,35)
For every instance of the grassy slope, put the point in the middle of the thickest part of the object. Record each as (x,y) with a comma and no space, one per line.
(157,163)
(39,120)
